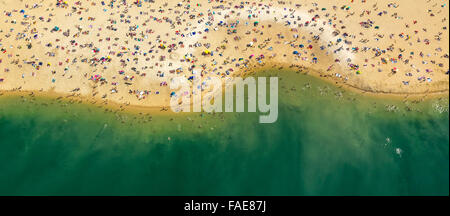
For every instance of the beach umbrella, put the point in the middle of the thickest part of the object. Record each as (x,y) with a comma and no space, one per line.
(206,52)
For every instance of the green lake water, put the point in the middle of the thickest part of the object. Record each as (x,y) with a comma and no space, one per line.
(325,142)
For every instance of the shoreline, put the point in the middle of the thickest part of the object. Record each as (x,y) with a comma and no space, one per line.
(353,88)
(113,106)
(109,106)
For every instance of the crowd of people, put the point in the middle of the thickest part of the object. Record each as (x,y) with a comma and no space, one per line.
(128,50)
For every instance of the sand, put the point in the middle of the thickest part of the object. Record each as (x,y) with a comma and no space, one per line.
(127,52)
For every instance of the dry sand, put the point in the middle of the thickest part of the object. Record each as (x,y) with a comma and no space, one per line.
(126,52)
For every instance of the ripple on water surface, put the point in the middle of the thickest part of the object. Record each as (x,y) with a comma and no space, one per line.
(327,141)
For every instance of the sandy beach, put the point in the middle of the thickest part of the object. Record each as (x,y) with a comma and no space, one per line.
(127,52)
(355,101)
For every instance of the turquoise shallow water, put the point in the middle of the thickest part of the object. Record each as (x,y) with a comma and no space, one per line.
(323,143)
